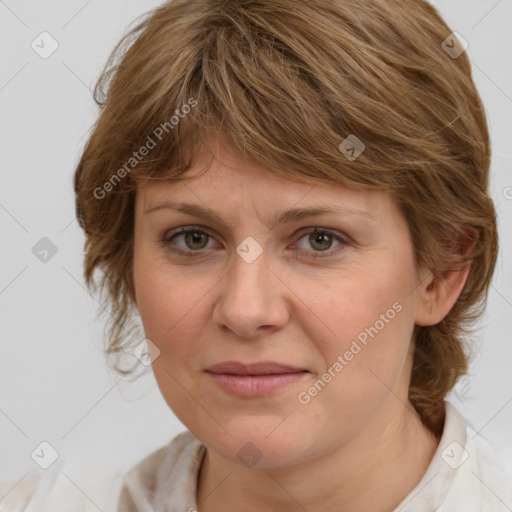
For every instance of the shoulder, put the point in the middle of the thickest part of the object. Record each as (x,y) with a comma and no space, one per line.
(481,481)
(63,487)
(465,473)
(168,475)
(15,495)
(178,453)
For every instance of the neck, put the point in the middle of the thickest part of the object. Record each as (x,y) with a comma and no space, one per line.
(375,470)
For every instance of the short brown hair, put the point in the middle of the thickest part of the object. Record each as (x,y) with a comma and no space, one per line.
(287,82)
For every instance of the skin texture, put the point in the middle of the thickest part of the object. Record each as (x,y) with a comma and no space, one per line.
(357,444)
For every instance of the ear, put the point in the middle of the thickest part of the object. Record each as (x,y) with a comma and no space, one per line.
(439,290)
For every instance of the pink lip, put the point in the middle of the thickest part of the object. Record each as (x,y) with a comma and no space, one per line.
(262,368)
(254,380)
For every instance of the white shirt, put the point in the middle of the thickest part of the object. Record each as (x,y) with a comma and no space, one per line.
(464,475)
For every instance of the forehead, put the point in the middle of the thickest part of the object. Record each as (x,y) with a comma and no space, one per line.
(229,179)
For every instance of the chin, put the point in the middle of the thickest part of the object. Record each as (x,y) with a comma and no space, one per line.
(262,442)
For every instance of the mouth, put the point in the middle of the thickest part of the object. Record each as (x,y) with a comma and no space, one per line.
(261,368)
(254,380)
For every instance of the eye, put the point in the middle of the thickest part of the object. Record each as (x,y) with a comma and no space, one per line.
(193,238)
(321,240)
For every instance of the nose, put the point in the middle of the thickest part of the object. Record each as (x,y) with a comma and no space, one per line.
(252,299)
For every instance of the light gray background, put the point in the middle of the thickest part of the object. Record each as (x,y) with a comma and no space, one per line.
(54,383)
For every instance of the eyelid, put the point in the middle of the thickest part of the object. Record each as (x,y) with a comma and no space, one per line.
(344,241)
(170,233)
(317,229)
(182,230)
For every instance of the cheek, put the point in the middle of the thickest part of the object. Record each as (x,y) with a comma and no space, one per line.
(169,309)
(173,315)
(362,327)
(358,307)
(363,354)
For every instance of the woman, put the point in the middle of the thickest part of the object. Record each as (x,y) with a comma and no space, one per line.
(293,197)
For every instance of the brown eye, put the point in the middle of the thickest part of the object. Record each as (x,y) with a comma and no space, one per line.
(187,240)
(320,240)
(196,239)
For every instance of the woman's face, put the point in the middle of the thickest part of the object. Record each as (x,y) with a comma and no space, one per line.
(336,308)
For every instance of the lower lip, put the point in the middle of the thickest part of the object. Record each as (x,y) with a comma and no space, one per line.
(252,386)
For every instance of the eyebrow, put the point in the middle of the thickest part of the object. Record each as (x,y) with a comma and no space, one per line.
(288,216)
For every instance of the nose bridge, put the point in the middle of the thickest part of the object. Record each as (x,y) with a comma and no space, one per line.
(250,266)
(250,295)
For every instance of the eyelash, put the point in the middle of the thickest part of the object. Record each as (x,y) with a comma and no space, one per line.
(169,236)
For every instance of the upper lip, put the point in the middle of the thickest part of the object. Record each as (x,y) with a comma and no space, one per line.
(261,368)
